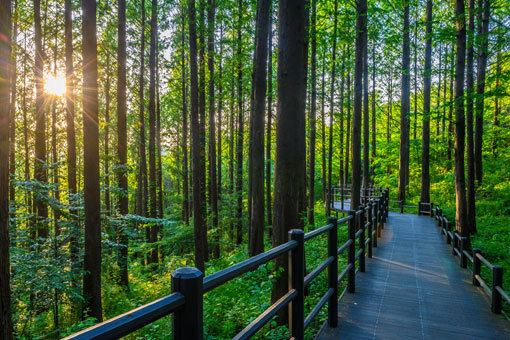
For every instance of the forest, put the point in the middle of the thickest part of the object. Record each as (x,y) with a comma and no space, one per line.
(141,136)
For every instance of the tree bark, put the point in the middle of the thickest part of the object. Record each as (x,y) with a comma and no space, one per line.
(92,258)
(361,10)
(142,189)
(123,203)
(348,127)
(153,198)
(425,150)
(483,34)
(329,198)
(256,226)
(312,118)
(404,110)
(269,206)
(366,113)
(213,184)
(184,143)
(40,124)
(107,138)
(290,131)
(198,213)
(460,132)
(6,326)
(471,213)
(12,116)
(240,130)
(374,153)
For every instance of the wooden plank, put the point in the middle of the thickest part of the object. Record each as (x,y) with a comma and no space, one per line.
(414,289)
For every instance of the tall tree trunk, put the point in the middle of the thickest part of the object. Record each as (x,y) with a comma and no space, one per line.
(107,138)
(92,257)
(159,170)
(6,327)
(240,131)
(290,131)
(329,201)
(366,113)
(427,74)
(471,213)
(198,213)
(323,128)
(348,127)
(374,153)
(201,115)
(450,112)
(12,116)
(361,10)
(460,128)
(123,203)
(445,72)
(438,106)
(312,118)
(142,190)
(220,115)
(483,34)
(497,107)
(213,184)
(415,121)
(404,110)
(184,142)
(342,87)
(256,226)
(40,121)
(153,198)
(269,206)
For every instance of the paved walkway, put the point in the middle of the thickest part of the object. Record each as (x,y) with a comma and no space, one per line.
(413,288)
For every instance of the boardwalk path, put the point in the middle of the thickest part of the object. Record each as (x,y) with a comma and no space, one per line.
(413,288)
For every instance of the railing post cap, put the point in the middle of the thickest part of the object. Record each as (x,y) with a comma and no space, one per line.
(187,273)
(497,267)
(332,219)
(352,212)
(296,232)
(477,250)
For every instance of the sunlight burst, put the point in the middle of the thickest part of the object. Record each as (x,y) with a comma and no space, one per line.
(55,85)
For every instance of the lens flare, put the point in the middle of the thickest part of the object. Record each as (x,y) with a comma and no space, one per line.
(55,85)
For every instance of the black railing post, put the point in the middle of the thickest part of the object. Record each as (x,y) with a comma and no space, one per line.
(333,272)
(447,227)
(370,224)
(387,208)
(497,280)
(361,240)
(376,223)
(477,266)
(402,206)
(431,209)
(296,281)
(454,241)
(463,257)
(381,213)
(188,321)
(351,258)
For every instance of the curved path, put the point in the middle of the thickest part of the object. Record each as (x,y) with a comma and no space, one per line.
(413,288)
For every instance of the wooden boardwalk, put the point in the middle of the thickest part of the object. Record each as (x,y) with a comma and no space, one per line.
(413,288)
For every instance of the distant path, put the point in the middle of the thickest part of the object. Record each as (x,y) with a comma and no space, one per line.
(413,288)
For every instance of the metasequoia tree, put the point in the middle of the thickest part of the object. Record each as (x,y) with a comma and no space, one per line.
(404,109)
(427,73)
(483,37)
(240,128)
(40,124)
(290,130)
(460,127)
(331,111)
(6,326)
(258,106)
(122,200)
(153,203)
(312,117)
(198,213)
(361,9)
(184,141)
(92,204)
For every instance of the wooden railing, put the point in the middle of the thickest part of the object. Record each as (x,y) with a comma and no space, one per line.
(189,285)
(459,248)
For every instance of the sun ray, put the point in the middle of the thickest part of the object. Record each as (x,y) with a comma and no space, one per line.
(55,85)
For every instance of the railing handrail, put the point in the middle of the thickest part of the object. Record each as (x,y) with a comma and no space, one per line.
(189,284)
(459,245)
